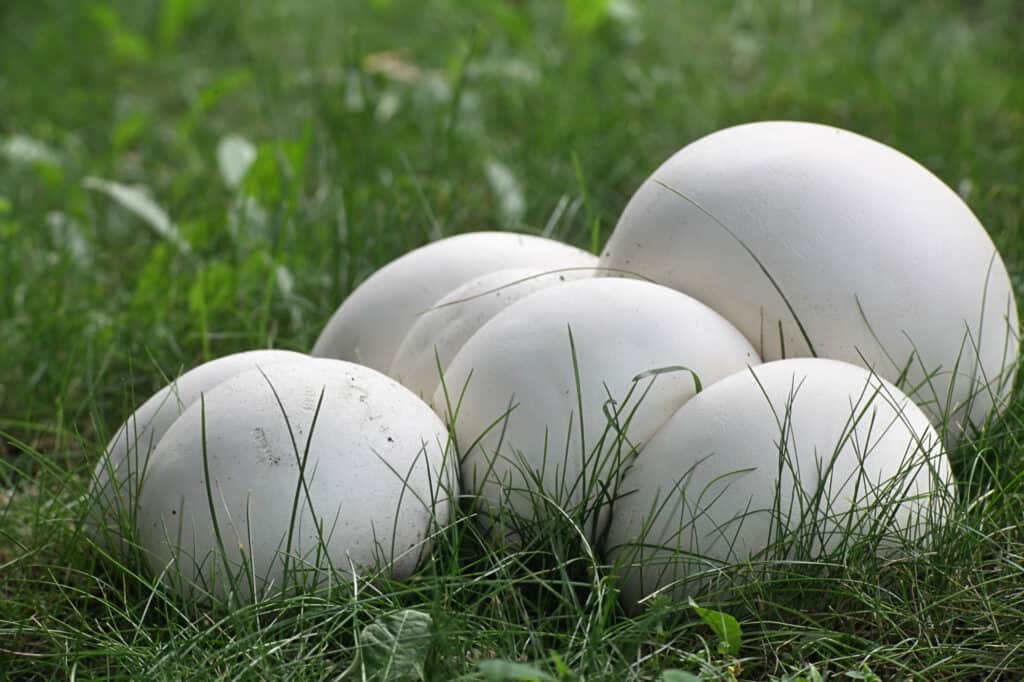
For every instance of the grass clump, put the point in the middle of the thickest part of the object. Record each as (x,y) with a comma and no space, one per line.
(372,126)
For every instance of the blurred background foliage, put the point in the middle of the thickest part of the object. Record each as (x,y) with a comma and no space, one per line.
(184,178)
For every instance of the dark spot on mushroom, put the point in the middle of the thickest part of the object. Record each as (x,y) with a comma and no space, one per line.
(390,439)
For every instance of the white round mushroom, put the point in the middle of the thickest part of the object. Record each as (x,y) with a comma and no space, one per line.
(533,390)
(785,460)
(282,476)
(374,319)
(439,332)
(116,478)
(817,241)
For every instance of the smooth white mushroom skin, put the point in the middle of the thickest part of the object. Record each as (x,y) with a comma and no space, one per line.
(370,453)
(116,478)
(522,359)
(847,454)
(446,326)
(883,264)
(370,324)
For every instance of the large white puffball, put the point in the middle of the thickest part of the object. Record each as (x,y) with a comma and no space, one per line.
(116,478)
(801,452)
(374,319)
(533,423)
(883,265)
(441,331)
(283,473)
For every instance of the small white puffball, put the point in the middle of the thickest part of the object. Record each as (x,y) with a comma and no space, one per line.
(531,420)
(802,452)
(373,320)
(116,478)
(446,326)
(283,473)
(883,265)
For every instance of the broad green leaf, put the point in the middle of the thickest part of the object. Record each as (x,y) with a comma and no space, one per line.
(510,671)
(725,627)
(395,646)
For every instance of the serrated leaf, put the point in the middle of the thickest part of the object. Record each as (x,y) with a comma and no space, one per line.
(678,676)
(725,627)
(235,155)
(136,200)
(395,646)
(510,671)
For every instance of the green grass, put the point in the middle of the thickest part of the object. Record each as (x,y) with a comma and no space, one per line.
(361,157)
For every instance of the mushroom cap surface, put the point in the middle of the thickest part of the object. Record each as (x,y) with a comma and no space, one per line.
(312,467)
(536,386)
(817,241)
(370,324)
(799,455)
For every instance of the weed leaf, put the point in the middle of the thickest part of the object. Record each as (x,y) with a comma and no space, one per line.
(395,646)
(725,627)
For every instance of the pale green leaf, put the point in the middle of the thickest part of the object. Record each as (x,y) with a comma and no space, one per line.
(395,646)
(235,155)
(136,200)
(725,627)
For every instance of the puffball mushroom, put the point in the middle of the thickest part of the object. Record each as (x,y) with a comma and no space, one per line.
(532,391)
(116,478)
(283,473)
(368,327)
(818,241)
(801,452)
(450,322)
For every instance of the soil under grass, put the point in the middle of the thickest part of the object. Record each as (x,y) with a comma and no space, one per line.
(377,126)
